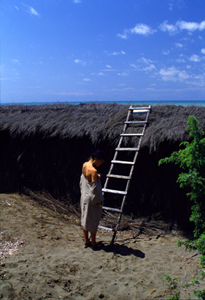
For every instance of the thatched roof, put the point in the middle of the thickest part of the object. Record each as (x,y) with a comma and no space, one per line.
(98,121)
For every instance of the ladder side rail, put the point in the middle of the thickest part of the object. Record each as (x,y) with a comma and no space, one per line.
(118,221)
(120,215)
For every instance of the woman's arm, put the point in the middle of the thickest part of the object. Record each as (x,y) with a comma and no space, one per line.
(93,175)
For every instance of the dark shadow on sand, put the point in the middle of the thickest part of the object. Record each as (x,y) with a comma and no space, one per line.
(122,250)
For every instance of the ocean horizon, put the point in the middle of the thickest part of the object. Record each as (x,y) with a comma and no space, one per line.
(122,102)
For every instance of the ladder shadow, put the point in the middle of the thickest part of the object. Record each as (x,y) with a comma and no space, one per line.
(123,250)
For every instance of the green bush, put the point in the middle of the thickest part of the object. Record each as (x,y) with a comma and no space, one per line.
(192,161)
(173,286)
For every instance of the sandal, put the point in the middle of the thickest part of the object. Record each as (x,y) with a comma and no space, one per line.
(97,246)
(87,245)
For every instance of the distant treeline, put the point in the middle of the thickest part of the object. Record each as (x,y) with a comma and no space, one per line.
(43,147)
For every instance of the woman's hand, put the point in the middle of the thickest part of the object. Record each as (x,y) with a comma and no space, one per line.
(98,176)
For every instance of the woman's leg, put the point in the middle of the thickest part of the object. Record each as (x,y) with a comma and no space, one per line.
(86,238)
(93,239)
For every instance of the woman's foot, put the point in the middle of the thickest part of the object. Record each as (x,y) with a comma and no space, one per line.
(88,244)
(97,246)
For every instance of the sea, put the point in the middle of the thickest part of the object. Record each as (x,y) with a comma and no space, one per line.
(125,102)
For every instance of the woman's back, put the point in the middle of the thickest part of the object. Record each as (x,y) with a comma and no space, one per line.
(89,172)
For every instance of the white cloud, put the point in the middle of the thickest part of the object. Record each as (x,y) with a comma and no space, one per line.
(166,52)
(108,66)
(33,11)
(169,72)
(141,29)
(149,68)
(178,45)
(70,93)
(133,66)
(171,6)
(198,80)
(109,70)
(191,26)
(79,61)
(86,79)
(16,7)
(115,53)
(195,58)
(165,27)
(123,74)
(101,74)
(183,75)
(180,60)
(77,1)
(10,79)
(15,61)
(181,25)
(129,89)
(203,51)
(145,60)
(144,29)
(124,35)
(173,74)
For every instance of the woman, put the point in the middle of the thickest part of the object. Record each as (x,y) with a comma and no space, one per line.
(91,197)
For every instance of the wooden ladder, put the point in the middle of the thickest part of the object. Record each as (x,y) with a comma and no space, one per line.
(133,132)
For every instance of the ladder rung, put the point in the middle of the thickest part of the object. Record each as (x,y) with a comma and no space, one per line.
(114,191)
(131,134)
(136,111)
(135,122)
(112,209)
(106,228)
(127,149)
(122,162)
(118,176)
(140,108)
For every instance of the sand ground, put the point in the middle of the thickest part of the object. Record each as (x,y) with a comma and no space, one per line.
(43,257)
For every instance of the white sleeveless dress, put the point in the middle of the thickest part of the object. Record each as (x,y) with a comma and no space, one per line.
(91,195)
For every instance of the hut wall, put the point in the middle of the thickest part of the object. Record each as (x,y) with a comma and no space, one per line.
(54,165)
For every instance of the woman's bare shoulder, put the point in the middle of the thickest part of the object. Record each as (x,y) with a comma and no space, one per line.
(89,172)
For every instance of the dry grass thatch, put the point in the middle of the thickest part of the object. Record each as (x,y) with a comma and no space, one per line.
(98,122)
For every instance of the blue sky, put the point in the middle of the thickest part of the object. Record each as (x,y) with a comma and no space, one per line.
(102,50)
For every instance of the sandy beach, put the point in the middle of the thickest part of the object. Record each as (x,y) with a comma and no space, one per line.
(43,257)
